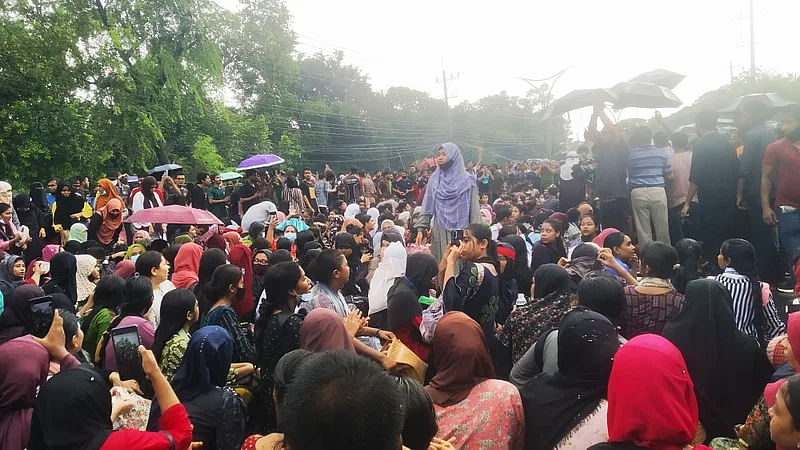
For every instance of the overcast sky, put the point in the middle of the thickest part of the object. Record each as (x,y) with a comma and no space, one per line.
(490,44)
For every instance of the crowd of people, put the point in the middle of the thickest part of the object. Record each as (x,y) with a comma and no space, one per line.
(620,299)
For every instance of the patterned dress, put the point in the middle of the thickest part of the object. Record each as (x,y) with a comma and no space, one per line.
(648,313)
(526,323)
(173,353)
(474,292)
(491,417)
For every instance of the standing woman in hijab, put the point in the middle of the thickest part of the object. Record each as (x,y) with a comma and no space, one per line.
(106,225)
(392,266)
(145,199)
(241,256)
(450,201)
(36,222)
(68,209)
(728,367)
(568,410)
(464,383)
(106,191)
(63,270)
(217,412)
(404,312)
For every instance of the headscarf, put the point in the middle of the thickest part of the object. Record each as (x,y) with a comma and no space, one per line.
(148,184)
(335,226)
(600,239)
(132,247)
(141,235)
(187,265)
(374,214)
(78,232)
(61,301)
(27,215)
(39,197)
(63,268)
(73,410)
(793,335)
(242,257)
(392,265)
(232,238)
(556,404)
(352,211)
(448,192)
(216,241)
(183,239)
(403,305)
(23,365)
(111,193)
(49,251)
(205,364)
(8,282)
(30,270)
(298,224)
(125,269)
(727,366)
(65,207)
(550,278)
(324,330)
(85,266)
(109,225)
(651,401)
(17,319)
(460,355)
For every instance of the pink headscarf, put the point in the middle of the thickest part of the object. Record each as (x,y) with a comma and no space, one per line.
(600,239)
(187,264)
(49,251)
(125,269)
(323,330)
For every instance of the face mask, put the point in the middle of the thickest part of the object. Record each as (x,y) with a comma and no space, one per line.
(260,269)
(101,192)
(290,236)
(134,258)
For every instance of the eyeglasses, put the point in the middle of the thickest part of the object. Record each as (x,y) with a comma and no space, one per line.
(260,263)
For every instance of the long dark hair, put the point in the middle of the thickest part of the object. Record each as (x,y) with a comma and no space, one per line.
(483,232)
(327,261)
(523,269)
(174,307)
(559,227)
(138,294)
(224,277)
(211,259)
(108,294)
(742,258)
(689,254)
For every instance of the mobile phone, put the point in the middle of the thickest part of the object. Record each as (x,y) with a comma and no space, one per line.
(456,236)
(126,350)
(42,312)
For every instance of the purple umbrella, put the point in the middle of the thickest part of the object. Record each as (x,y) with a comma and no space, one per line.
(259,161)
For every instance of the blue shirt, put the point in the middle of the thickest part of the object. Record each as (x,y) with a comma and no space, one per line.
(614,272)
(648,165)
(51,199)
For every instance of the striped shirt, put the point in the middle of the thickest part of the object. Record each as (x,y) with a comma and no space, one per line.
(741,292)
(648,166)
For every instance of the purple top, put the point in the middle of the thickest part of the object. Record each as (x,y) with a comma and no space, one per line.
(447,196)
(146,336)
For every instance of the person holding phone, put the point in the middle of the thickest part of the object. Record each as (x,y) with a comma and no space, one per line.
(133,313)
(103,306)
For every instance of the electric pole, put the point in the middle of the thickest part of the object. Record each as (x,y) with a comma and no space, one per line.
(447,98)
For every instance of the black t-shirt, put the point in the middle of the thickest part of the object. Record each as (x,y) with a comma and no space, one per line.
(245,191)
(353,185)
(310,192)
(714,169)
(610,177)
(198,196)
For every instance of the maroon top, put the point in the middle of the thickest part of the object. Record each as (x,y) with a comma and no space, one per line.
(785,158)
(648,313)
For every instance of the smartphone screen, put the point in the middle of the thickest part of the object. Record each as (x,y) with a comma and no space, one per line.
(456,236)
(42,312)
(126,350)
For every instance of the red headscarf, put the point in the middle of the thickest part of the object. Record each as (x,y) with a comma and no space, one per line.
(232,238)
(600,239)
(651,401)
(125,269)
(111,193)
(216,241)
(793,335)
(242,257)
(187,264)
(324,330)
(459,352)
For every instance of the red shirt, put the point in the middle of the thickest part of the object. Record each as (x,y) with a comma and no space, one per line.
(785,158)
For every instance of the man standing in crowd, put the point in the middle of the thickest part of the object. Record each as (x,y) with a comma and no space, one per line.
(649,167)
(180,181)
(248,195)
(197,192)
(52,185)
(714,164)
(217,199)
(402,186)
(323,188)
(612,156)
(352,184)
(309,190)
(678,184)
(368,187)
(756,136)
(496,183)
(550,202)
(781,167)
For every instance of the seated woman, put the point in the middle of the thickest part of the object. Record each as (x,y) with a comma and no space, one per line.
(225,289)
(217,413)
(63,271)
(550,247)
(323,331)
(187,264)
(624,254)
(105,302)
(133,312)
(404,312)
(567,410)
(551,301)
(651,401)
(589,228)
(653,301)
(785,424)
(277,330)
(728,367)
(154,266)
(507,288)
(392,266)
(464,384)
(73,410)
(179,312)
(690,253)
(12,274)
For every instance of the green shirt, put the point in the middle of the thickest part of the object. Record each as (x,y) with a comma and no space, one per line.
(94,332)
(173,353)
(218,209)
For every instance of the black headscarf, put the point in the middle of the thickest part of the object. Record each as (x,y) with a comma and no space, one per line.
(550,278)
(66,206)
(39,197)
(523,266)
(8,282)
(727,366)
(555,404)
(17,319)
(63,268)
(5,228)
(403,297)
(148,185)
(72,411)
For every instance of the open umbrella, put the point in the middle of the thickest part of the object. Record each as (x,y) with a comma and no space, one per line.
(770,99)
(579,98)
(174,214)
(164,168)
(661,77)
(644,95)
(259,162)
(227,176)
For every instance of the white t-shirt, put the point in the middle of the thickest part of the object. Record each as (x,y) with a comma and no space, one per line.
(158,295)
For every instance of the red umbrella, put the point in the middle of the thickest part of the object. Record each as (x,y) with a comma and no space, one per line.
(174,214)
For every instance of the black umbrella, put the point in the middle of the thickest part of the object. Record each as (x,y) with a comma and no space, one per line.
(770,100)
(579,98)
(644,95)
(661,77)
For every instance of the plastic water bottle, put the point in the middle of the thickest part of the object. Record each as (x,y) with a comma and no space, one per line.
(521,301)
